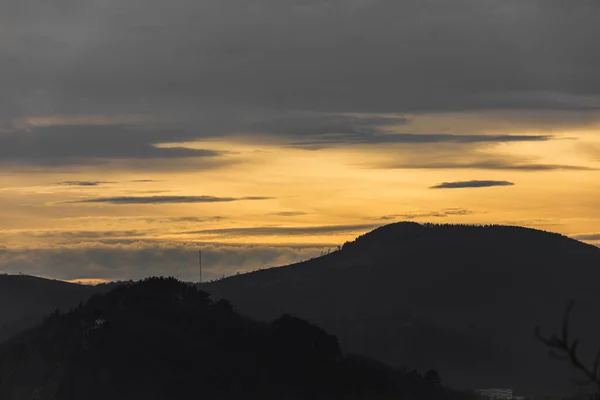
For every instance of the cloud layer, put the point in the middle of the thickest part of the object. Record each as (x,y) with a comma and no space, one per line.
(141,259)
(326,55)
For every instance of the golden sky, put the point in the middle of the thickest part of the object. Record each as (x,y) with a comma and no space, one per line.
(304,200)
(132,135)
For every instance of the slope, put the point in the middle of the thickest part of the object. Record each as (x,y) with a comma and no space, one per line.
(461,299)
(24,300)
(163,339)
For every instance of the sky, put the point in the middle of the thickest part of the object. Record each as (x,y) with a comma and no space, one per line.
(135,132)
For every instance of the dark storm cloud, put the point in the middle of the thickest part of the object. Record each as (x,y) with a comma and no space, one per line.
(470,184)
(167,199)
(90,143)
(283,230)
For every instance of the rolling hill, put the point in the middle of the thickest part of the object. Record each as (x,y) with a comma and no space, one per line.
(24,300)
(164,339)
(461,299)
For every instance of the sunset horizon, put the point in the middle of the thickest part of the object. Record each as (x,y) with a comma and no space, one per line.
(266,133)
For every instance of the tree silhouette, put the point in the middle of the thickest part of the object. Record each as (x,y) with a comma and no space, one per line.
(564,348)
(432,377)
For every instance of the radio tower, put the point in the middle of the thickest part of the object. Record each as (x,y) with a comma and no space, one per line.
(200,263)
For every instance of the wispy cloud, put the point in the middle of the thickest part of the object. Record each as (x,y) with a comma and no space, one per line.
(429,214)
(84,183)
(588,236)
(283,230)
(470,184)
(413,138)
(75,236)
(289,213)
(167,199)
(144,219)
(489,165)
(315,132)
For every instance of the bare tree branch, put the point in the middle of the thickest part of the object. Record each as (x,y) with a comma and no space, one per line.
(561,349)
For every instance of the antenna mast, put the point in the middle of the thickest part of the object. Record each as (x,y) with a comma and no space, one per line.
(200,263)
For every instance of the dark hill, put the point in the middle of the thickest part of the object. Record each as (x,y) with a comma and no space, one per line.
(463,299)
(163,339)
(24,300)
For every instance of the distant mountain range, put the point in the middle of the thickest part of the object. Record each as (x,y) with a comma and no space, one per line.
(461,299)
(163,339)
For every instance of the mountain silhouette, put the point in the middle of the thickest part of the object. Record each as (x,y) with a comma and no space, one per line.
(461,299)
(24,300)
(164,339)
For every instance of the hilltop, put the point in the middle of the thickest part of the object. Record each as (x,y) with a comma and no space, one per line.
(463,299)
(164,339)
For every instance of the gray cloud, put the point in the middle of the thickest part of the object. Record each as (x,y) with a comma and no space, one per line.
(282,230)
(319,131)
(311,125)
(339,55)
(167,199)
(470,184)
(217,69)
(81,144)
(412,138)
